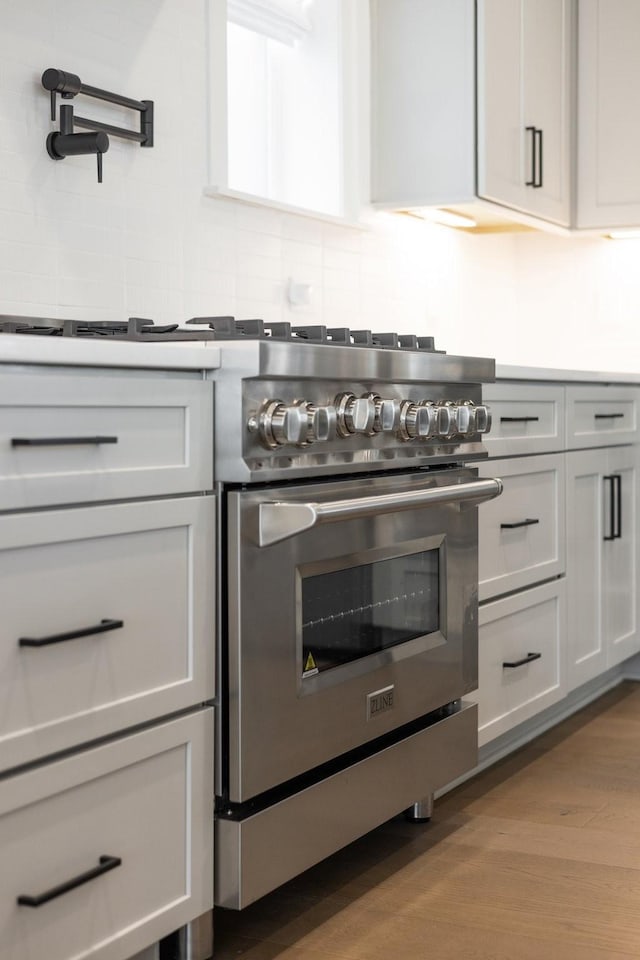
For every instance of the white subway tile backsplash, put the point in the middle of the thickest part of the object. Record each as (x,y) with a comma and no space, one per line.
(296,251)
(343,281)
(14,285)
(29,258)
(260,244)
(249,265)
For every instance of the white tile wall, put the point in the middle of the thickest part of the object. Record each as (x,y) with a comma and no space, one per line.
(147,242)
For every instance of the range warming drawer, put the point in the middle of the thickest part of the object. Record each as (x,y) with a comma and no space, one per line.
(255,855)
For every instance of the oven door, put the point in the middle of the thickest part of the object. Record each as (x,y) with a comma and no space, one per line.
(352,611)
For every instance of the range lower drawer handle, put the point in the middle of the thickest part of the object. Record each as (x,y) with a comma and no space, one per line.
(519,419)
(521,523)
(608,416)
(106,863)
(530,657)
(101,627)
(59,441)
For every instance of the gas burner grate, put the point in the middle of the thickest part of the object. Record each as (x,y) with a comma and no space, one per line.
(228,328)
(135,328)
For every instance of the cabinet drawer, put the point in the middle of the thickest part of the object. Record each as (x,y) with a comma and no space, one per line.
(521,532)
(526,418)
(72,438)
(143,800)
(602,415)
(147,566)
(513,630)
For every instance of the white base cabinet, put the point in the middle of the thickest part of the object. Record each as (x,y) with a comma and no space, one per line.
(603,560)
(559,551)
(107,850)
(521,663)
(107,634)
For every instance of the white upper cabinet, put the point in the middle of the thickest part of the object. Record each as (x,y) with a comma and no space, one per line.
(523,89)
(422,102)
(608,116)
(534,113)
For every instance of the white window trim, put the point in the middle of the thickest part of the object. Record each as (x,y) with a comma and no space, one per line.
(283,20)
(355,119)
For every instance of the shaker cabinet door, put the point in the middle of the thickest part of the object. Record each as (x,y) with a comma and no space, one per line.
(608,120)
(602,560)
(524,64)
(621,554)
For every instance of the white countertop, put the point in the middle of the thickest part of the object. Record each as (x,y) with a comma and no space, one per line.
(68,351)
(506,372)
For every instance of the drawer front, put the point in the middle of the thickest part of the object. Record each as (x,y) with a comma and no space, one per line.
(521,532)
(73,439)
(144,800)
(514,630)
(601,415)
(526,418)
(147,569)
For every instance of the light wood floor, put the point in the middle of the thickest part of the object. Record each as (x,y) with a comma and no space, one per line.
(537,858)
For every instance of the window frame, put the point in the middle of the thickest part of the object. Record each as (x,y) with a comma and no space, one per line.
(354,122)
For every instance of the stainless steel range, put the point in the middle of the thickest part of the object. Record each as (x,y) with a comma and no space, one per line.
(348,582)
(348,591)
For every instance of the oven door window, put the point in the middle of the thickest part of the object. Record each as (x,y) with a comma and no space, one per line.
(353,612)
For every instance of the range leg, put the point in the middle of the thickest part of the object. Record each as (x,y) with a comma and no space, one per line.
(421,810)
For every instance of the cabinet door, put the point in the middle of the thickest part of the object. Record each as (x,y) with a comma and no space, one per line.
(587,654)
(620,554)
(499,80)
(608,120)
(524,64)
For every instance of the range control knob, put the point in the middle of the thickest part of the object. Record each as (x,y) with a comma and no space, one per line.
(465,418)
(418,420)
(447,419)
(278,424)
(482,419)
(355,414)
(387,418)
(322,423)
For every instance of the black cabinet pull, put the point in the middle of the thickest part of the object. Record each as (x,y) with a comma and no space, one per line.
(106,864)
(519,419)
(537,150)
(608,416)
(538,137)
(101,627)
(530,657)
(58,441)
(521,523)
(617,479)
(532,181)
(614,513)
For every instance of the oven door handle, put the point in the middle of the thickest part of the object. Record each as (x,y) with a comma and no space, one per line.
(279,520)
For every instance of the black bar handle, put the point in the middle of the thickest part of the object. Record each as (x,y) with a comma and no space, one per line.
(521,523)
(617,480)
(610,479)
(538,137)
(532,181)
(608,416)
(102,627)
(59,441)
(530,657)
(519,419)
(106,863)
